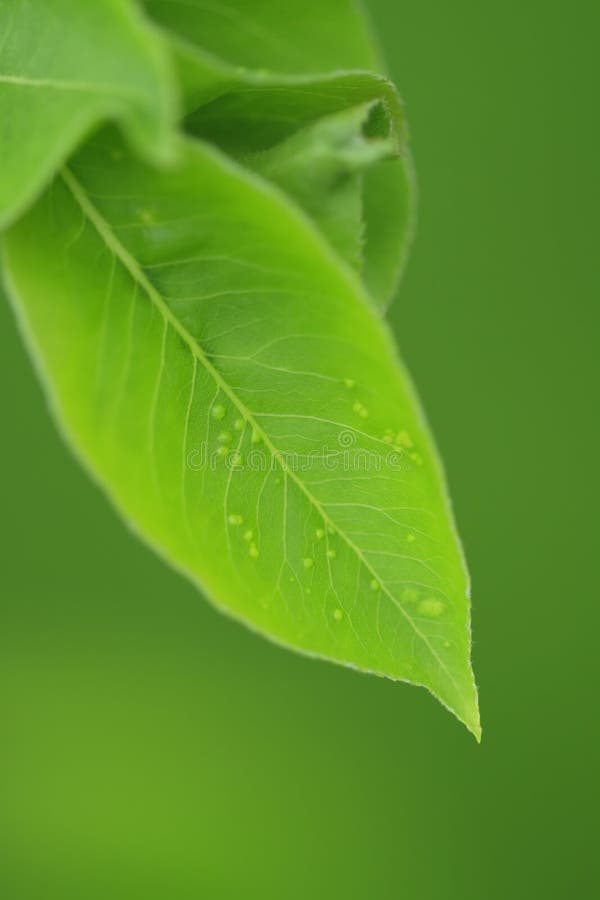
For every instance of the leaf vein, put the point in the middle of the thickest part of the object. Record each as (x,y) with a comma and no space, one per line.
(135,270)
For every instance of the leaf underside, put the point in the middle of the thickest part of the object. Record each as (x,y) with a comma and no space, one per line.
(211,342)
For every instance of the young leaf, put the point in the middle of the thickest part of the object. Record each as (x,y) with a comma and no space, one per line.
(223,375)
(252,77)
(298,36)
(389,214)
(64,66)
(322,166)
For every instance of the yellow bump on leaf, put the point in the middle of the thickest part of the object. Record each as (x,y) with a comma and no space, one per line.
(430,608)
(404,439)
(235,519)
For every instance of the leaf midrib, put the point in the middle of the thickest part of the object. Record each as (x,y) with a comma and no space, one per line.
(86,87)
(136,271)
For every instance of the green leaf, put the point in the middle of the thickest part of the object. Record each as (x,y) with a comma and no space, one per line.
(298,36)
(64,66)
(342,172)
(224,377)
(253,75)
(389,214)
(322,167)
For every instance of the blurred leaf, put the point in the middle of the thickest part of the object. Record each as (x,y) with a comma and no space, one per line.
(254,74)
(322,166)
(389,215)
(299,36)
(224,377)
(65,66)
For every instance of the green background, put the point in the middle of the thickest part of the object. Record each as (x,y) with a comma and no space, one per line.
(151,748)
